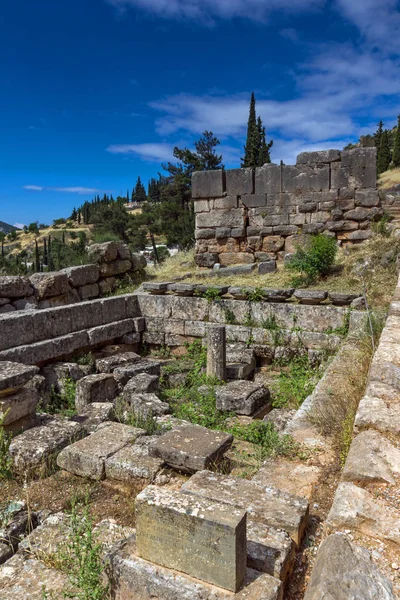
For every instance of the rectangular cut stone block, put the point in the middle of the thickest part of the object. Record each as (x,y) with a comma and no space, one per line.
(323,156)
(208,184)
(233,217)
(16,329)
(254,200)
(113,309)
(239,182)
(85,315)
(52,322)
(133,462)
(14,375)
(268,179)
(201,206)
(359,166)
(82,275)
(267,505)
(211,544)
(86,457)
(18,405)
(225,202)
(111,331)
(191,448)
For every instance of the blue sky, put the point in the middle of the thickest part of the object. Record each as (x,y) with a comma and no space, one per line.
(95,92)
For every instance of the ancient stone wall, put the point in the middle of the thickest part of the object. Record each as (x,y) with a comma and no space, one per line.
(111,262)
(253,215)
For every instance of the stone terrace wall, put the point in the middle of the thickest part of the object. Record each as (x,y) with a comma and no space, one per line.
(111,262)
(253,215)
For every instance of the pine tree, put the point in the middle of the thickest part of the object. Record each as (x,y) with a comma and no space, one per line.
(264,155)
(378,134)
(396,147)
(74,214)
(384,157)
(140,191)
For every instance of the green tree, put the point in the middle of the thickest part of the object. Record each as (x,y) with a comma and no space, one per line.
(378,134)
(264,154)
(384,156)
(256,150)
(74,214)
(396,147)
(140,191)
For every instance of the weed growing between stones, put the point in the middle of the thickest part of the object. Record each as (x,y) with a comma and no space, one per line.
(343,330)
(264,435)
(271,324)
(256,295)
(212,294)
(123,413)
(230,318)
(296,381)
(5,441)
(84,359)
(63,403)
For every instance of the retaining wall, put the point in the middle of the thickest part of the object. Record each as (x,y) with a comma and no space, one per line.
(249,215)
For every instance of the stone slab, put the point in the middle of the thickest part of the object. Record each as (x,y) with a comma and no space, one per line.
(146,406)
(35,450)
(142,384)
(95,414)
(133,462)
(299,479)
(269,550)
(15,375)
(151,367)
(86,457)
(372,459)
(211,545)
(343,571)
(99,387)
(13,286)
(191,448)
(110,363)
(242,397)
(264,504)
(18,405)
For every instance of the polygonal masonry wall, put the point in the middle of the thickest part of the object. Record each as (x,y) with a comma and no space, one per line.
(253,215)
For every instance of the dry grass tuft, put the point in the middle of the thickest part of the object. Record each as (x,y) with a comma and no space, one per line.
(388,179)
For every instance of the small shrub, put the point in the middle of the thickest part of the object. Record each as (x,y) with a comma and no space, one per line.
(264,435)
(248,320)
(63,403)
(162,253)
(314,260)
(380,227)
(271,324)
(230,318)
(84,359)
(5,459)
(256,295)
(212,294)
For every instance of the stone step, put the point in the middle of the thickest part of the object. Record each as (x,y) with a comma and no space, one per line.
(264,504)
(134,577)
(35,451)
(86,458)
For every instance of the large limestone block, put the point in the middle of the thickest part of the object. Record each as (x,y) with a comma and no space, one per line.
(359,166)
(264,504)
(35,450)
(242,397)
(50,284)
(357,509)
(15,287)
(138,261)
(299,479)
(372,459)
(145,406)
(86,457)
(322,156)
(236,258)
(18,405)
(111,331)
(56,373)
(87,292)
(343,571)
(49,323)
(239,182)
(208,184)
(141,384)
(233,217)
(268,179)
(150,367)
(191,448)
(103,253)
(211,544)
(82,275)
(133,462)
(16,329)
(189,308)
(269,550)
(15,375)
(95,388)
(117,267)
(379,409)
(110,363)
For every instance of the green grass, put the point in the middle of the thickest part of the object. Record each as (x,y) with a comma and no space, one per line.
(296,381)
(63,403)
(5,459)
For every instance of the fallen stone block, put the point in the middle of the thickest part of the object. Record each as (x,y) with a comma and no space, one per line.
(133,462)
(56,374)
(273,295)
(117,267)
(111,331)
(105,252)
(269,550)
(372,459)
(264,504)
(100,387)
(23,577)
(146,406)
(82,275)
(50,284)
(182,289)
(239,371)
(86,457)
(110,363)
(343,571)
(267,267)
(141,384)
(14,375)
(357,509)
(211,545)
(94,414)
(242,397)
(35,450)
(18,405)
(150,367)
(191,448)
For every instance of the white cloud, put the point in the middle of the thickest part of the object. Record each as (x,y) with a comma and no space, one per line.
(19,225)
(206,11)
(69,190)
(151,152)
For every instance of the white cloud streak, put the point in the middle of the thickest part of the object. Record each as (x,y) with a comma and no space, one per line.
(68,190)
(150,152)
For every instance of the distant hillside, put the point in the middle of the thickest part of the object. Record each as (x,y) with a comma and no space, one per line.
(5,228)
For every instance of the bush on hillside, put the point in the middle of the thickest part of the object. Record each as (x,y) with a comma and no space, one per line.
(315,259)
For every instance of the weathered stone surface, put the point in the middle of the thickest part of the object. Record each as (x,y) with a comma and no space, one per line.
(266,505)
(109,332)
(242,397)
(367,198)
(216,351)
(142,384)
(6,552)
(15,287)
(191,448)
(239,182)
(310,296)
(57,373)
(87,292)
(359,166)
(341,299)
(23,577)
(208,184)
(322,156)
(133,462)
(146,406)
(17,527)
(221,203)
(15,375)
(234,258)
(357,509)
(95,388)
(205,234)
(372,459)
(82,275)
(268,179)
(50,284)
(6,308)
(269,550)
(105,252)
(182,289)
(110,363)
(299,479)
(379,413)
(343,571)
(86,457)
(358,214)
(267,267)
(212,537)
(150,367)
(206,259)
(138,261)
(278,295)
(35,450)
(156,287)
(18,405)
(117,267)
(93,415)
(254,200)
(233,217)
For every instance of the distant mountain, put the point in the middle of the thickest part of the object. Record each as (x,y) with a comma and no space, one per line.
(5,228)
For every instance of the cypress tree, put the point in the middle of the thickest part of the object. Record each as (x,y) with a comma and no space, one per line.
(45,258)
(396,147)
(383,153)
(264,155)
(37,258)
(251,147)
(378,134)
